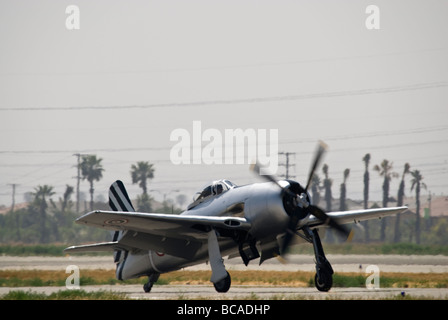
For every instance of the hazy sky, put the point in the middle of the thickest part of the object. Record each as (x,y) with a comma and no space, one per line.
(137,70)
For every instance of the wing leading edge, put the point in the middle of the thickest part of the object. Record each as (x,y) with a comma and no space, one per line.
(96,247)
(344,217)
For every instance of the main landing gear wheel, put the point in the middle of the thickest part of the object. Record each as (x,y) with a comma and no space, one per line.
(323,280)
(224,284)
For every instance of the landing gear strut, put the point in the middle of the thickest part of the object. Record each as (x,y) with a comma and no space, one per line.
(220,276)
(323,279)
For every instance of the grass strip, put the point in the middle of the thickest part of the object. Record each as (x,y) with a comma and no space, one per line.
(64,295)
(38,278)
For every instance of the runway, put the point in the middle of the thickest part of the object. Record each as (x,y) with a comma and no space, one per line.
(340,263)
(207,292)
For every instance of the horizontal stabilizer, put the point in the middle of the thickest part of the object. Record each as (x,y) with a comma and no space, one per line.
(97,247)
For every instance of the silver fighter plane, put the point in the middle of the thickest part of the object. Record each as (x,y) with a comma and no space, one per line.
(253,221)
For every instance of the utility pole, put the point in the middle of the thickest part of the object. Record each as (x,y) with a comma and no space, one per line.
(428,214)
(13,185)
(287,164)
(78,178)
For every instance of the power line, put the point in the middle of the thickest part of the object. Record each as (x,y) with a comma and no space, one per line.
(288,141)
(221,67)
(331,94)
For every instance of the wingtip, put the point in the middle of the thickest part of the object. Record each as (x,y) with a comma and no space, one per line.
(252,166)
(281,259)
(323,145)
(351,235)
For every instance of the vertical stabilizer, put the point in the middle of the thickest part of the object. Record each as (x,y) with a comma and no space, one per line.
(119,201)
(118,198)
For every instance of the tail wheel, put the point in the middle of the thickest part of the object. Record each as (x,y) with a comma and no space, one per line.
(224,284)
(147,287)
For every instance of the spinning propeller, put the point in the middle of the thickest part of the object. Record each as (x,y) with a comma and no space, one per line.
(301,203)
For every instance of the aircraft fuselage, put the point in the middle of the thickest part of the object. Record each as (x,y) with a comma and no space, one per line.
(260,203)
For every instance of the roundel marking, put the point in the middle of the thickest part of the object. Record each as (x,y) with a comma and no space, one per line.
(116,221)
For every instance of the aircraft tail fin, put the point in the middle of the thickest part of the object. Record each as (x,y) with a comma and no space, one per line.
(119,201)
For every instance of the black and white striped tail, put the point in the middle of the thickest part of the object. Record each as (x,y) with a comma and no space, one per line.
(118,198)
(119,201)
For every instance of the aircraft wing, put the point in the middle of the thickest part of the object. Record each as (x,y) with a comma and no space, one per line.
(103,246)
(344,217)
(158,223)
(178,235)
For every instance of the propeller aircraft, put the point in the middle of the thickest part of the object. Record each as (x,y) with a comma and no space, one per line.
(258,220)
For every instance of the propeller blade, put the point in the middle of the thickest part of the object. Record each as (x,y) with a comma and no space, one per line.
(255,167)
(326,219)
(321,148)
(290,230)
(314,210)
(351,235)
(286,241)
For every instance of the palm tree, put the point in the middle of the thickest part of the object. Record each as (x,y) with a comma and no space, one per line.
(66,197)
(92,170)
(140,173)
(327,186)
(40,194)
(315,189)
(385,170)
(400,196)
(417,183)
(366,160)
(342,203)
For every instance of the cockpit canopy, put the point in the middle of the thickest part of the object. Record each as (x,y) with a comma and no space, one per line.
(213,189)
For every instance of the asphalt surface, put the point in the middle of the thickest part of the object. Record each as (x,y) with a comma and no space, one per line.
(202,292)
(340,263)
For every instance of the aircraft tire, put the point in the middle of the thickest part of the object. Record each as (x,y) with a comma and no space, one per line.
(147,287)
(224,284)
(324,281)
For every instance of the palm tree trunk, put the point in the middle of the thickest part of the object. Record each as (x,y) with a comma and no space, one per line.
(366,205)
(417,221)
(397,235)
(91,195)
(43,231)
(385,200)
(144,187)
